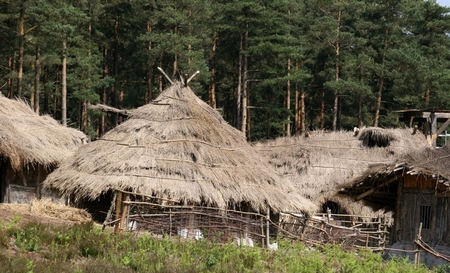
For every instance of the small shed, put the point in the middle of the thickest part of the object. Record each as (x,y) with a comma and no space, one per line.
(177,148)
(31,146)
(416,187)
(321,160)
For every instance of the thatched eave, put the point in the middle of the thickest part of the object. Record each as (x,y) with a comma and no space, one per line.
(27,138)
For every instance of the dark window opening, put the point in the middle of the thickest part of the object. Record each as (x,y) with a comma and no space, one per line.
(425,216)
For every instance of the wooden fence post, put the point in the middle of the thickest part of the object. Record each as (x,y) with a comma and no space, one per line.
(417,252)
(268,228)
(124,213)
(384,231)
(170,223)
(118,210)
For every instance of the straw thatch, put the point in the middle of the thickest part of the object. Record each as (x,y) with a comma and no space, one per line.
(320,162)
(26,137)
(428,162)
(47,208)
(180,148)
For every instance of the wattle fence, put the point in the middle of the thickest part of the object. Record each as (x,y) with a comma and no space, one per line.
(163,217)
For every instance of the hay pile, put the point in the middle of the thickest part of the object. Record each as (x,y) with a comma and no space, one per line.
(46,208)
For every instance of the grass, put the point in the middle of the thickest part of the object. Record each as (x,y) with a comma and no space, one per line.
(35,247)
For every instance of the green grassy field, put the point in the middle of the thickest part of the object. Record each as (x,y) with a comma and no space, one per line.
(37,247)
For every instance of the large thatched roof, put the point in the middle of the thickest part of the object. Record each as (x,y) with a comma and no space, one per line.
(180,148)
(320,162)
(26,137)
(378,180)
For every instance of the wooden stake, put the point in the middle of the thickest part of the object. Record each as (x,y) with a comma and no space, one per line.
(118,210)
(124,213)
(268,228)
(417,254)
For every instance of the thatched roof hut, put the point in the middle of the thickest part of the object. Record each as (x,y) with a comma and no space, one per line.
(320,162)
(416,187)
(31,144)
(27,137)
(177,147)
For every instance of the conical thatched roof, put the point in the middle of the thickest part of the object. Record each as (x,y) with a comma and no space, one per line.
(26,137)
(428,162)
(317,164)
(180,148)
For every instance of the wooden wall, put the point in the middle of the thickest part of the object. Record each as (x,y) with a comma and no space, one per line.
(21,186)
(418,203)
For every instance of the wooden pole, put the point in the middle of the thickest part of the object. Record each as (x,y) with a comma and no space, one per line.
(111,209)
(262,230)
(118,210)
(38,184)
(385,231)
(170,223)
(417,252)
(124,213)
(268,228)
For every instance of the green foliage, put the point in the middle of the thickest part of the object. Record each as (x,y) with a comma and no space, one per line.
(395,52)
(85,248)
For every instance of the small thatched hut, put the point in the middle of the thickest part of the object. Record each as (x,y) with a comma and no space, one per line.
(179,148)
(319,162)
(416,187)
(31,146)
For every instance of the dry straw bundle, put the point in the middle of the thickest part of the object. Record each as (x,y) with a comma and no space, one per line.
(47,208)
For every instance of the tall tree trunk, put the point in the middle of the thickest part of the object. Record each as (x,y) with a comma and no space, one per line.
(244,88)
(249,124)
(84,115)
(337,71)
(297,112)
(21,52)
(322,110)
(46,93)
(37,75)
(360,113)
(239,83)
(121,97)
(381,78)
(10,80)
(297,105)
(160,78)
(427,93)
(116,69)
(288,98)
(104,94)
(64,84)
(84,106)
(148,95)
(212,84)
(302,112)
(175,57)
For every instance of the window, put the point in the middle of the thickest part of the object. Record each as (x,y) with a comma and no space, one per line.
(425,216)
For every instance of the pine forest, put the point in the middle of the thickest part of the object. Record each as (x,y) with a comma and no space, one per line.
(271,68)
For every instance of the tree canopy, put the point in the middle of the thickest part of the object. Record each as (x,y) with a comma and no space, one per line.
(271,68)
